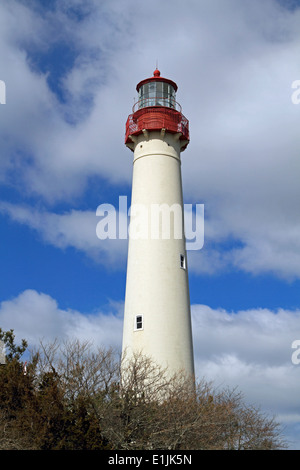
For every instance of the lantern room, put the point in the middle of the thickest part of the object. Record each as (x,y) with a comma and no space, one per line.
(157,91)
(156,110)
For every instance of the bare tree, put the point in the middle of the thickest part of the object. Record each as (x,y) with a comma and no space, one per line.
(75,396)
(152,410)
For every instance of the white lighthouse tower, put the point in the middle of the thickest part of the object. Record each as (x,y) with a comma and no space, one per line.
(157,319)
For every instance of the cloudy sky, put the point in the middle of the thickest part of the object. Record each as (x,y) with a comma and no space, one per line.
(70,68)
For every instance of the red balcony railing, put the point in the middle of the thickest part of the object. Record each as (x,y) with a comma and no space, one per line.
(155,118)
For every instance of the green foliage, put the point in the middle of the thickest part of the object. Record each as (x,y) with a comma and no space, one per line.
(63,425)
(13,352)
(35,412)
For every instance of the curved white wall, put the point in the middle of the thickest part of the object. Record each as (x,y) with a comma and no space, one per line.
(157,285)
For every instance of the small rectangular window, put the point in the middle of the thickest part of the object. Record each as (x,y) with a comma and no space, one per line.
(138,322)
(182,261)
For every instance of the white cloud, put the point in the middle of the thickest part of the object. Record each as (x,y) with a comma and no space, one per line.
(48,155)
(75,229)
(36,316)
(251,350)
(234,63)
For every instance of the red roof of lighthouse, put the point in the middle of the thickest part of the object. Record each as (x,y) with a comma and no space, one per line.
(156,78)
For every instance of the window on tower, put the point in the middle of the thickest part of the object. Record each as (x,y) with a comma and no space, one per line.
(182,262)
(138,322)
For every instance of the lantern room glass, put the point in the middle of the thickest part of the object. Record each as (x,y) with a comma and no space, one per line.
(157,94)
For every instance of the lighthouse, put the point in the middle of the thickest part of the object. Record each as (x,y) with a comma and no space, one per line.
(157,318)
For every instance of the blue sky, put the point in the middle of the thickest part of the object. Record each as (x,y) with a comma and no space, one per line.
(70,69)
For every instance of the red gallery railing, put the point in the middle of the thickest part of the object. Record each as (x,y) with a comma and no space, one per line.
(155,118)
